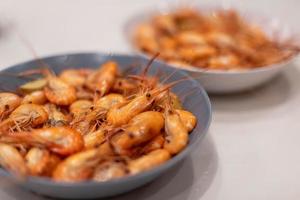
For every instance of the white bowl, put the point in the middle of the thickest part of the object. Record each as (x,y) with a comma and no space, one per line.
(222,82)
(225,81)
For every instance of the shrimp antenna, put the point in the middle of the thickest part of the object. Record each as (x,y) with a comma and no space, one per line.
(169,107)
(2,88)
(183,96)
(169,76)
(169,85)
(131,67)
(45,71)
(29,46)
(142,76)
(146,69)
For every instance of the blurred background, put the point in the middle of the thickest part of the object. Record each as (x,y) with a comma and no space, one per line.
(56,26)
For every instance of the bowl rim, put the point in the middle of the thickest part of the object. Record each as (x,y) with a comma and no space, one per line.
(185,152)
(129,25)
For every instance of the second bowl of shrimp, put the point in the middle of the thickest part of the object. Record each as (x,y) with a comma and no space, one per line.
(226,50)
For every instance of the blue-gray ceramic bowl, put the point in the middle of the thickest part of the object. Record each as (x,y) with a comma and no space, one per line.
(197,102)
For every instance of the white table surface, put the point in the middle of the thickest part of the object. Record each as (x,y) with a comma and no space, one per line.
(253,145)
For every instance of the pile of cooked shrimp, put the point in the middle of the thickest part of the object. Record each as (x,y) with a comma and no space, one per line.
(219,40)
(86,124)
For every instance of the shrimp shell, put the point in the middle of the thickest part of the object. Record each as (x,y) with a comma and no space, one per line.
(40,161)
(36,112)
(190,38)
(36,97)
(145,38)
(141,128)
(80,107)
(154,144)
(77,167)
(165,23)
(94,139)
(80,166)
(124,86)
(109,101)
(122,114)
(60,93)
(103,79)
(148,161)
(109,170)
(61,140)
(188,119)
(74,77)
(176,133)
(8,102)
(12,160)
(56,118)
(23,117)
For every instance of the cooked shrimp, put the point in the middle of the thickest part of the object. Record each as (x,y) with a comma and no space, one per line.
(220,39)
(196,52)
(111,169)
(104,78)
(142,128)
(167,43)
(40,161)
(75,77)
(145,38)
(80,166)
(77,167)
(124,112)
(188,119)
(96,114)
(148,161)
(190,38)
(60,140)
(124,86)
(176,132)
(169,100)
(8,102)
(35,97)
(94,138)
(84,93)
(56,117)
(24,117)
(109,101)
(59,92)
(82,126)
(223,61)
(154,144)
(165,23)
(165,98)
(89,121)
(56,90)
(80,107)
(12,160)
